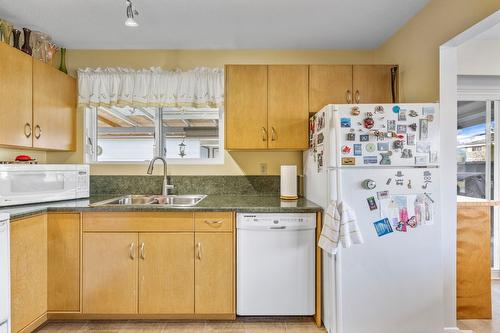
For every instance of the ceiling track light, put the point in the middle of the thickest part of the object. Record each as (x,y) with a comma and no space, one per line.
(131,13)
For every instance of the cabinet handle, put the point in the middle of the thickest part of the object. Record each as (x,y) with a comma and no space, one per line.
(348,96)
(357,96)
(214,222)
(143,254)
(198,251)
(131,251)
(273,134)
(27,130)
(264,134)
(38,132)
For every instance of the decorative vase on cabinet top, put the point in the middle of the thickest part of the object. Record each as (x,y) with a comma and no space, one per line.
(26,48)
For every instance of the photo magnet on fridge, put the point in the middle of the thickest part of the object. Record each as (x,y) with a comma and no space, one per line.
(383,227)
(410,139)
(381,195)
(424,129)
(423,147)
(401,129)
(402,115)
(372,204)
(345,122)
(357,149)
(391,125)
(383,146)
(370,160)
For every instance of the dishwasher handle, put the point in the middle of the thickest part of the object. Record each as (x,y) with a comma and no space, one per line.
(281,227)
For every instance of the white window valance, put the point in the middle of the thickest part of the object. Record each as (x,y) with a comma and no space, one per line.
(154,87)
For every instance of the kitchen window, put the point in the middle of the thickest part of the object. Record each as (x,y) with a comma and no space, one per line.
(135,135)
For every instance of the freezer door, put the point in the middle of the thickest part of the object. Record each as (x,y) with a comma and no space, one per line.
(392,281)
(417,126)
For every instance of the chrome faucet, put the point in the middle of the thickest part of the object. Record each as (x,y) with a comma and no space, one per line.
(167,188)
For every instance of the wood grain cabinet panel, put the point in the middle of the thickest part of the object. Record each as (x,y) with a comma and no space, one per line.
(63,262)
(288,106)
(54,108)
(28,270)
(374,84)
(214,221)
(166,273)
(246,107)
(329,84)
(15,97)
(110,280)
(214,273)
(473,263)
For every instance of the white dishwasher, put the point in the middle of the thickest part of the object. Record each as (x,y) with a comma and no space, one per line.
(276,264)
(4,274)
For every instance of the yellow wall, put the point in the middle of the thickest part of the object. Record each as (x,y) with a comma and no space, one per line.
(235,163)
(415,47)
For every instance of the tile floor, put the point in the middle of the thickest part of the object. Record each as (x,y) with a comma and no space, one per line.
(239,326)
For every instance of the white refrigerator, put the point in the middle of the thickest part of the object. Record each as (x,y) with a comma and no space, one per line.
(383,161)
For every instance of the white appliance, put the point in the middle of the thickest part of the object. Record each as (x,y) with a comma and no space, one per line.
(393,282)
(27,183)
(4,274)
(276,264)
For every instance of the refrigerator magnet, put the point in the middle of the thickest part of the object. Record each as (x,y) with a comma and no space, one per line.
(402,115)
(345,122)
(383,227)
(410,139)
(423,147)
(357,149)
(385,158)
(379,109)
(413,113)
(413,126)
(346,149)
(427,110)
(421,160)
(355,111)
(406,153)
(348,161)
(433,157)
(396,109)
(381,195)
(351,137)
(369,159)
(424,129)
(372,204)
(401,129)
(391,125)
(364,137)
(368,122)
(383,146)
(370,147)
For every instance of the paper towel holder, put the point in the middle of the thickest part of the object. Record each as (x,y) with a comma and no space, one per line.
(290,193)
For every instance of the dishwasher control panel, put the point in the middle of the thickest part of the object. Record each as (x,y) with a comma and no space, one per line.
(273,220)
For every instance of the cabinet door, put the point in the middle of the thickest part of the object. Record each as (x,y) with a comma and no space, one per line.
(375,84)
(15,97)
(63,262)
(329,84)
(246,107)
(166,273)
(288,106)
(110,266)
(214,273)
(54,108)
(28,250)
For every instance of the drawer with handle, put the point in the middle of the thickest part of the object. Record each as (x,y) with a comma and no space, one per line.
(213,221)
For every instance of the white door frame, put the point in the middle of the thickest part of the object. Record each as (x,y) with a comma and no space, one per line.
(448,71)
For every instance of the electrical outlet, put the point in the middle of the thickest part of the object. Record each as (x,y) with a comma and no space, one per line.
(263,168)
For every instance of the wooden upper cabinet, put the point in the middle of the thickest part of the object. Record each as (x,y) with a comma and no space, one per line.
(110,279)
(28,245)
(329,84)
(54,108)
(288,112)
(15,97)
(166,273)
(375,84)
(246,107)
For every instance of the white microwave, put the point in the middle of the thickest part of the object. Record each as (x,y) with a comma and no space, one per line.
(34,183)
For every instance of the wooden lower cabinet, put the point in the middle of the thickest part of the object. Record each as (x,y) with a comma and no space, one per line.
(166,273)
(214,273)
(63,267)
(28,247)
(110,266)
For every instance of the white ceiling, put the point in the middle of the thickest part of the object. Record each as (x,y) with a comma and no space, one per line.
(215,24)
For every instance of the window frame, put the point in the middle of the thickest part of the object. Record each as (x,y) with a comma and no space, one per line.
(90,139)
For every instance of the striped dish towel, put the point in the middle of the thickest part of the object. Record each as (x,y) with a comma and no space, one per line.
(340,225)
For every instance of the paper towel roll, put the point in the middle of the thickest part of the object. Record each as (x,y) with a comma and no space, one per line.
(289,182)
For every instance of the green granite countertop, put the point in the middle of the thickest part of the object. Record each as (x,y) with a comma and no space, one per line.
(237,203)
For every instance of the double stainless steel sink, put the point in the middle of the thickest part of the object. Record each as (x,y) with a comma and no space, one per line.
(163,200)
